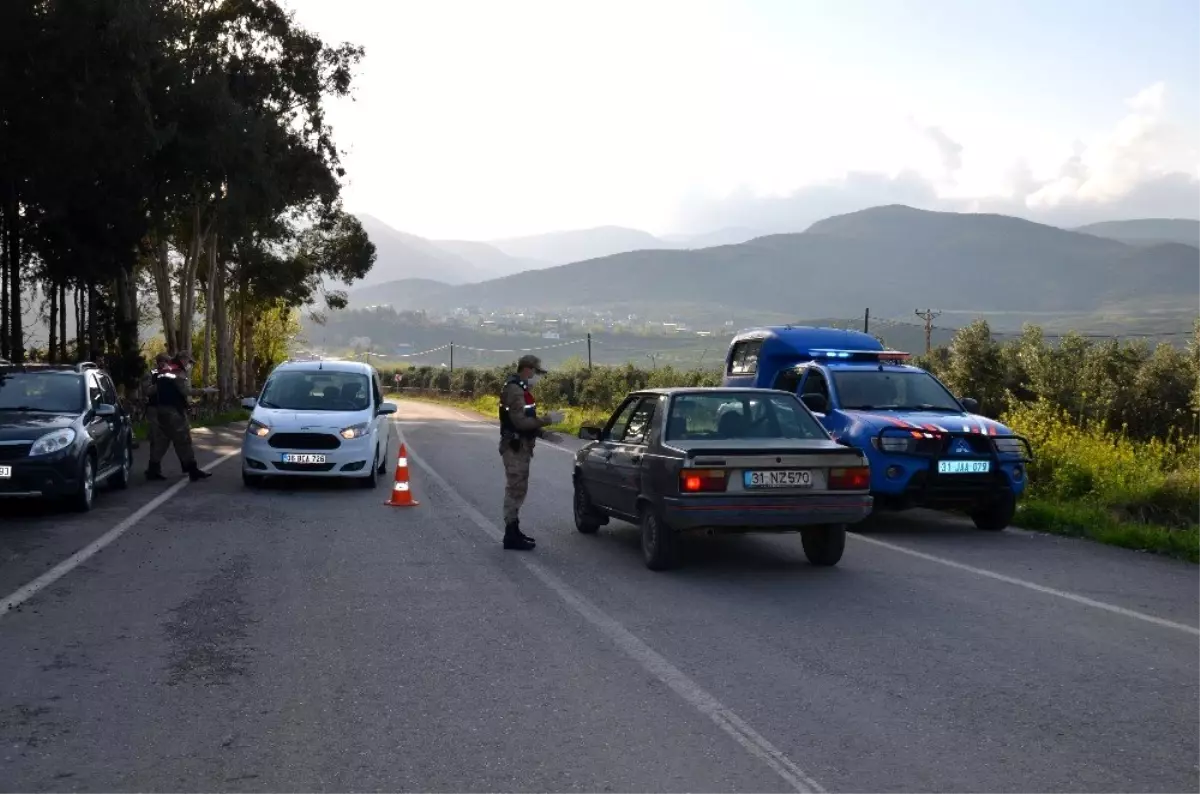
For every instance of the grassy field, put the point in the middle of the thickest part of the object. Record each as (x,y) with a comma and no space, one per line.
(1084,482)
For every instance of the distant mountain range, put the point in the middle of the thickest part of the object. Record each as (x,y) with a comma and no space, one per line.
(891,258)
(401,255)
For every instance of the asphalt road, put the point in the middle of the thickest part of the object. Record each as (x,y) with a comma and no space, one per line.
(311,638)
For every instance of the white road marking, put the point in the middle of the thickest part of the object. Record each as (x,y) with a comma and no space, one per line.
(1078,599)
(653,662)
(78,558)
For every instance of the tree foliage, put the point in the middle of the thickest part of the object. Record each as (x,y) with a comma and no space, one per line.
(170,151)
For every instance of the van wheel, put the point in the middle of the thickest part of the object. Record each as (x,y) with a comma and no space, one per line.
(994,516)
(660,543)
(824,545)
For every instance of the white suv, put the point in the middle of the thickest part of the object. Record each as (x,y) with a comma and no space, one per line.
(318,419)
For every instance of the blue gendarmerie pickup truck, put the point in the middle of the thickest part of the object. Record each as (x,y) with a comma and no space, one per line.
(926,447)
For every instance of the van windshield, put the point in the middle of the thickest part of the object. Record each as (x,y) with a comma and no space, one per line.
(317,390)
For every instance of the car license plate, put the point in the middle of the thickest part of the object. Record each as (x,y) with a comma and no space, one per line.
(792,478)
(964,466)
(5,472)
(303,458)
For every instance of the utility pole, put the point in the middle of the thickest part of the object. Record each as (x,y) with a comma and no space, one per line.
(589,350)
(451,358)
(867,322)
(928,315)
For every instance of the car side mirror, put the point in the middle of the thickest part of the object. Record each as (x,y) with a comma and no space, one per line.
(105,410)
(249,403)
(971,404)
(817,403)
(589,433)
(386,408)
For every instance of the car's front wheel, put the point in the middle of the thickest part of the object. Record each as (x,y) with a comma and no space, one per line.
(586,520)
(251,480)
(120,480)
(824,545)
(660,543)
(372,477)
(997,514)
(85,491)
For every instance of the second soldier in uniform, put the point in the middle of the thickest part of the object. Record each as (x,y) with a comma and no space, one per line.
(520,427)
(171,386)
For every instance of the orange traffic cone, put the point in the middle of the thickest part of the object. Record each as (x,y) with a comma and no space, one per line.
(401,492)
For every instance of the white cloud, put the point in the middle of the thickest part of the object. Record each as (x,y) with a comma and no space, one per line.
(1144,166)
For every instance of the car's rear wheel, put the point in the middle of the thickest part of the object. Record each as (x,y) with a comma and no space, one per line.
(997,514)
(824,545)
(660,543)
(85,492)
(120,480)
(586,520)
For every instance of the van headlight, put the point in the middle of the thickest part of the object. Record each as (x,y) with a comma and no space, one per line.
(355,431)
(257,428)
(53,442)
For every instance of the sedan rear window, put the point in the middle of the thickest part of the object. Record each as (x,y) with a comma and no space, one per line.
(730,415)
(317,390)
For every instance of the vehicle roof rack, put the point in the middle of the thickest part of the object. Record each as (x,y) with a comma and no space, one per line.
(83,366)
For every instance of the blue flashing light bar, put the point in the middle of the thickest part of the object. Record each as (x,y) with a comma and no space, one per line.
(877,355)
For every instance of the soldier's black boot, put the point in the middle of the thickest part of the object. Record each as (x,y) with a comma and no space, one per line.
(514,540)
(154,471)
(197,473)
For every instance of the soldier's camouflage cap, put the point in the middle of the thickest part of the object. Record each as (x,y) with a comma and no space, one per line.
(531,362)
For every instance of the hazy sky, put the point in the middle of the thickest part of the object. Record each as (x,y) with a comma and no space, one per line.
(487,119)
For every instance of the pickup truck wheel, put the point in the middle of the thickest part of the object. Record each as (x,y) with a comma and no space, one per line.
(585,517)
(824,545)
(660,543)
(996,515)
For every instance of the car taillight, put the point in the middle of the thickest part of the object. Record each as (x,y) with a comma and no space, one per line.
(702,480)
(857,478)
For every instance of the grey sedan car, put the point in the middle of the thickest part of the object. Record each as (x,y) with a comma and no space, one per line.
(719,460)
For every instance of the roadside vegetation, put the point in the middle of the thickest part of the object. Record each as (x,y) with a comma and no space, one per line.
(1113,424)
(192,185)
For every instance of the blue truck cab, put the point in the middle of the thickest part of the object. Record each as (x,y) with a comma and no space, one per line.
(926,447)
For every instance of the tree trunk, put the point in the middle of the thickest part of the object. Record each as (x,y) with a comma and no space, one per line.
(93,322)
(80,322)
(187,281)
(52,353)
(161,270)
(224,339)
(12,230)
(243,294)
(3,283)
(62,321)
(129,350)
(208,308)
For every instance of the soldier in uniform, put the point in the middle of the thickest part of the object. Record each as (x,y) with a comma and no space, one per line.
(171,387)
(520,427)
